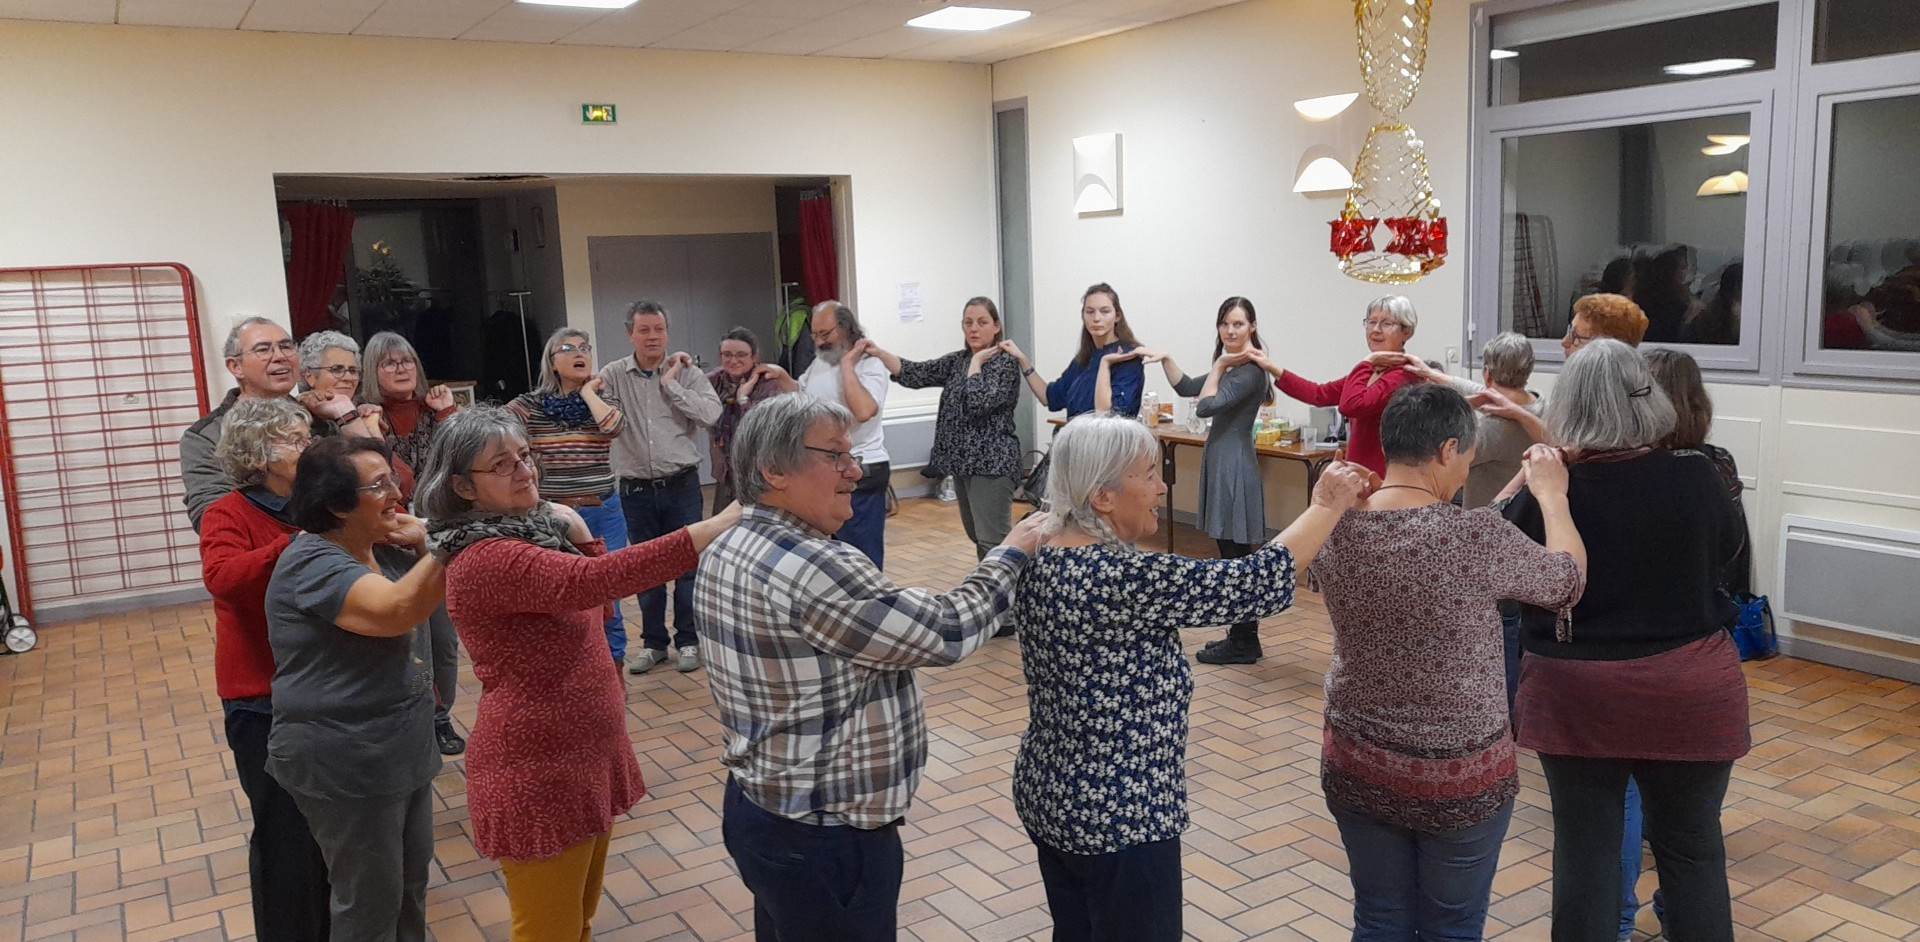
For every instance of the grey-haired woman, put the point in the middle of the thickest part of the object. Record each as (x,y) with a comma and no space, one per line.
(1100,781)
(329,378)
(1600,692)
(391,378)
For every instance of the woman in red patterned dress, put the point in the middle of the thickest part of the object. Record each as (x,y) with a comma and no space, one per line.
(549,766)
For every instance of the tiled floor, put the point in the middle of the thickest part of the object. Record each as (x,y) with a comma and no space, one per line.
(120,817)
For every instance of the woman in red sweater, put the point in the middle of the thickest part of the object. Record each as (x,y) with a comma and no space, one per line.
(1363,394)
(549,766)
(241,538)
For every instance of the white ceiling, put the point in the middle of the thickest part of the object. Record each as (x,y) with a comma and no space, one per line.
(863,29)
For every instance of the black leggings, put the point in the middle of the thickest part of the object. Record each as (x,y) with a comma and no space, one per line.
(1682,804)
(1246,632)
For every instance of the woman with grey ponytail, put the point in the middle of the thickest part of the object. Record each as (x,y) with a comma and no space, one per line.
(1100,781)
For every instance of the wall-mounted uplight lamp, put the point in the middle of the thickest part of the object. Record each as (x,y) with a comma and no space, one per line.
(1724,144)
(1321,169)
(1726,184)
(1096,174)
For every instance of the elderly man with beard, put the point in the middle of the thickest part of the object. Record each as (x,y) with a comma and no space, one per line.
(810,653)
(842,372)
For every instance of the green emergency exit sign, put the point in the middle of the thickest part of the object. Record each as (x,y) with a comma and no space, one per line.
(596,114)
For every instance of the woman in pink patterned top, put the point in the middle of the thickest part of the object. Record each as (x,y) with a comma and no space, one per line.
(1417,759)
(549,765)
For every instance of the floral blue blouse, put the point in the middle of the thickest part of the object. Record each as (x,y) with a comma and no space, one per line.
(1102,764)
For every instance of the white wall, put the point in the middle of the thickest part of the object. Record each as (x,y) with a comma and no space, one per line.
(140,144)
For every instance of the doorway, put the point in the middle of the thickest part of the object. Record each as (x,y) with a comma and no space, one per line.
(1016,240)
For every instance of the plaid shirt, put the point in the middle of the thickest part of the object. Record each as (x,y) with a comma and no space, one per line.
(810,653)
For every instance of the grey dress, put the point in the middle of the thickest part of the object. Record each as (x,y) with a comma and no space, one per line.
(1233,500)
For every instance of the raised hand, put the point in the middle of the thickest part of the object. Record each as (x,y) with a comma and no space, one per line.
(1121,357)
(330,406)
(1390,359)
(407,530)
(1546,470)
(861,348)
(1013,349)
(1027,535)
(1228,361)
(1491,402)
(440,398)
(773,372)
(1344,484)
(594,386)
(675,364)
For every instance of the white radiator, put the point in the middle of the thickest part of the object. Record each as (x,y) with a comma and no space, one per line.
(1849,576)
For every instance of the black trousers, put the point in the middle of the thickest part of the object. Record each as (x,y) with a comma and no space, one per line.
(1131,894)
(287,874)
(814,882)
(1682,803)
(1246,632)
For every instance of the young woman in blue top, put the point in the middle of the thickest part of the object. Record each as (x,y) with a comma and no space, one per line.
(1106,375)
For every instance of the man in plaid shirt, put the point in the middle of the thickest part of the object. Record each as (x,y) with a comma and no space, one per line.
(810,653)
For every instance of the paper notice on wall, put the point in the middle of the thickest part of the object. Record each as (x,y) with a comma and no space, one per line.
(911,308)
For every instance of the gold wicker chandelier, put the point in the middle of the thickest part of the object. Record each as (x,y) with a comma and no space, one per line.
(1390,230)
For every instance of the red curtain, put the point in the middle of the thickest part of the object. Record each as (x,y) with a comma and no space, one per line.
(322,236)
(820,262)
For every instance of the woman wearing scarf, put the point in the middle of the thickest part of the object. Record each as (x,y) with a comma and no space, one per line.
(550,766)
(742,382)
(571,431)
(390,378)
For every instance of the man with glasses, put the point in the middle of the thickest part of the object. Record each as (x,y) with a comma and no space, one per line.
(810,655)
(262,359)
(666,401)
(842,372)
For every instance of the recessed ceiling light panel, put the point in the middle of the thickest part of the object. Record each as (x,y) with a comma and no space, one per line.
(584,4)
(1707,66)
(969,19)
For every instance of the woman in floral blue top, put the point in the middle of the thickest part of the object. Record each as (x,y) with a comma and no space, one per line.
(1100,781)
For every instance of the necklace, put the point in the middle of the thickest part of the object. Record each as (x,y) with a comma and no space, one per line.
(1410,487)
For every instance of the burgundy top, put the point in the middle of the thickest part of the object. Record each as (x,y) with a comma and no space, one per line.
(1416,715)
(1687,704)
(1361,399)
(549,764)
(239,545)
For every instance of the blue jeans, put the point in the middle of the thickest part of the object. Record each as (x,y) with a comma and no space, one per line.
(1510,636)
(867,530)
(813,881)
(651,513)
(1411,884)
(1630,866)
(610,525)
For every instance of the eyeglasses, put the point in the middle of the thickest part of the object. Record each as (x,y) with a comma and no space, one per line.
(266,351)
(508,465)
(1372,323)
(385,485)
(339,371)
(1577,339)
(581,347)
(395,366)
(295,443)
(839,459)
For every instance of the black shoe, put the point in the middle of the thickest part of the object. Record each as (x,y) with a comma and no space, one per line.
(450,742)
(1215,645)
(1004,631)
(1230,652)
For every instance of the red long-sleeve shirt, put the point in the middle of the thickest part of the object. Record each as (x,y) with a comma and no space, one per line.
(239,545)
(1359,400)
(549,764)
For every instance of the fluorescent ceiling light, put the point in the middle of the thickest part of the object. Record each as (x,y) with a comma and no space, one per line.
(1708,66)
(585,4)
(1502,54)
(1323,175)
(1729,184)
(971,19)
(1324,107)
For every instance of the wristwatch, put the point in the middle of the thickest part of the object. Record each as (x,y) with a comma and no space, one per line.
(1027,372)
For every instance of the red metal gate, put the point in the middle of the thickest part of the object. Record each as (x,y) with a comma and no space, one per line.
(100,372)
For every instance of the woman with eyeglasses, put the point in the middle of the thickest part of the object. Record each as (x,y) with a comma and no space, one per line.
(742,382)
(1362,395)
(352,734)
(242,536)
(551,766)
(570,432)
(329,377)
(390,378)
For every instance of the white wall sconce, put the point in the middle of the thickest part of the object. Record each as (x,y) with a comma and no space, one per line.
(1096,174)
(1320,171)
(1726,184)
(1724,144)
(1325,107)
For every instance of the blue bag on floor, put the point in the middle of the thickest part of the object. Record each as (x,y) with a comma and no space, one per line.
(1753,630)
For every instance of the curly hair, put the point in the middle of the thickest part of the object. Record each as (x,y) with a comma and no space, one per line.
(1613,315)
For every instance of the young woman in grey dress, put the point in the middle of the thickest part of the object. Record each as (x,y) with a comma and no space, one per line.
(1233,502)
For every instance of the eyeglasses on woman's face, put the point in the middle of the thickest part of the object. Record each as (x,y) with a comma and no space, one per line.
(519,461)
(341,371)
(293,442)
(383,486)
(397,365)
(573,346)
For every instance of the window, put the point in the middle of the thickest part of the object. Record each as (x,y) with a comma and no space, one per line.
(1655,211)
(1583,47)
(1870,294)
(1855,29)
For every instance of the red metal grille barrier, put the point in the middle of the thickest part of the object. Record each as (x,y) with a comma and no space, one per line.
(99,375)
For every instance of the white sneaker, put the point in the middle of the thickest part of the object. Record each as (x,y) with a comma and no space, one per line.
(689,660)
(644,661)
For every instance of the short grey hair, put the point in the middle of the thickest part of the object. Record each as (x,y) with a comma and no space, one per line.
(645,306)
(773,437)
(231,349)
(247,433)
(1090,456)
(1606,400)
(843,316)
(379,347)
(315,346)
(549,377)
(1399,308)
(1507,360)
(457,443)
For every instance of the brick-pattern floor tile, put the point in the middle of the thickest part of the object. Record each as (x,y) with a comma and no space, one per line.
(120,817)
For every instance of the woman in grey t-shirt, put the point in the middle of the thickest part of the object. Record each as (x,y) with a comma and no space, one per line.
(352,735)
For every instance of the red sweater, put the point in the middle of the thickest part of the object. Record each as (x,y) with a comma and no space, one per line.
(1359,400)
(549,764)
(239,545)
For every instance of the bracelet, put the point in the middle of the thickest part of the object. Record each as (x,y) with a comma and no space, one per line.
(1027,372)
